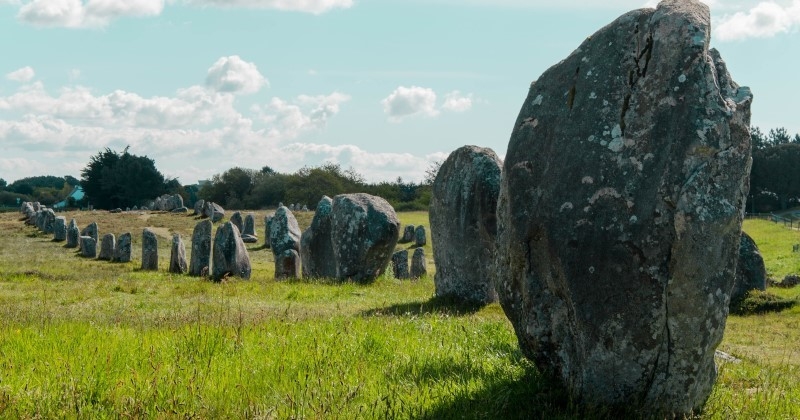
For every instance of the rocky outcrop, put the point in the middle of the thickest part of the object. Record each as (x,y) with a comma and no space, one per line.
(620,212)
(364,231)
(230,257)
(463,224)
(316,248)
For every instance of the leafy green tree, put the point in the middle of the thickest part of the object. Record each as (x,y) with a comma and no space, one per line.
(757,138)
(3,184)
(775,177)
(112,180)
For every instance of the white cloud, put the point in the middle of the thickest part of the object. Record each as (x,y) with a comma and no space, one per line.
(307,6)
(303,114)
(408,101)
(23,75)
(234,75)
(374,166)
(456,102)
(88,14)
(100,13)
(766,19)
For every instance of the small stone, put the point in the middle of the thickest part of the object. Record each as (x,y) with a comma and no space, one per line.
(73,234)
(107,246)
(287,265)
(149,250)
(230,256)
(177,259)
(249,225)
(88,247)
(236,219)
(201,248)
(408,234)
(419,265)
(400,264)
(60,229)
(420,237)
(122,250)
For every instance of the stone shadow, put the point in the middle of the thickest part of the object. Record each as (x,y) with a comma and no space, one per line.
(448,305)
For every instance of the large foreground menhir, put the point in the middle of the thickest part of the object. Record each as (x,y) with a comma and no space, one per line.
(620,211)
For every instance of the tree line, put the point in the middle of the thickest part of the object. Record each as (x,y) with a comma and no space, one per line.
(775,177)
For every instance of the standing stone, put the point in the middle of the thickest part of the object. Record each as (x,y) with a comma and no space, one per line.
(365,230)
(249,225)
(284,234)
(149,250)
(107,246)
(49,222)
(230,256)
(267,224)
(73,234)
(198,207)
(287,265)
(620,211)
(419,266)
(88,247)
(60,229)
(213,211)
(316,248)
(236,219)
(177,257)
(463,223)
(122,251)
(201,249)
(400,264)
(408,234)
(420,236)
(750,271)
(92,231)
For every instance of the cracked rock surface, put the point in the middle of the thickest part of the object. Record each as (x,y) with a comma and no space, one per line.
(620,212)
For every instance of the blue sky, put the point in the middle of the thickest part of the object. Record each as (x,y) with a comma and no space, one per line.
(383,86)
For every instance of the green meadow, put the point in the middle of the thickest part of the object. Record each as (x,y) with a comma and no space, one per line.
(83,338)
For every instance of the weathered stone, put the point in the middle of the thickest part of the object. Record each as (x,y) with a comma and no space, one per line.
(464,224)
(122,250)
(92,231)
(419,265)
(177,257)
(750,271)
(249,239)
(236,219)
(364,230)
(620,210)
(316,250)
(408,234)
(249,225)
(420,236)
(149,250)
(107,246)
(88,247)
(284,234)
(267,225)
(180,210)
(73,234)
(400,264)
(168,202)
(213,211)
(230,256)
(287,265)
(49,222)
(115,211)
(60,229)
(791,280)
(198,207)
(200,262)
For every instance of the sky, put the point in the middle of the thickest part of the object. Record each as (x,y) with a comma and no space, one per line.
(383,86)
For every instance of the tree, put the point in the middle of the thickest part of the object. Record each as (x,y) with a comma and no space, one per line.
(112,180)
(3,184)
(778,136)
(433,170)
(757,138)
(775,177)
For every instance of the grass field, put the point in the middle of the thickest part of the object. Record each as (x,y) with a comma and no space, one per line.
(89,339)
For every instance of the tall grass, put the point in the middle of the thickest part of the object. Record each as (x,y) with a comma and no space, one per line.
(83,338)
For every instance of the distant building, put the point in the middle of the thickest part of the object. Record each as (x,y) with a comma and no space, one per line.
(76,194)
